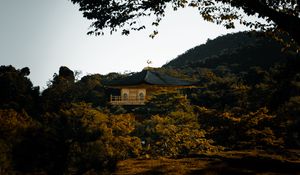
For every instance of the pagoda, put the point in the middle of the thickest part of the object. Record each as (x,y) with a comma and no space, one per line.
(137,88)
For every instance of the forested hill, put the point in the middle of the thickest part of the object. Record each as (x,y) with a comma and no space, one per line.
(243,48)
(244,101)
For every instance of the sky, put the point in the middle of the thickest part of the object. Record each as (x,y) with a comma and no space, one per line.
(46,34)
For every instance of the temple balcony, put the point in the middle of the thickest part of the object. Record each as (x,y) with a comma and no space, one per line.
(118,100)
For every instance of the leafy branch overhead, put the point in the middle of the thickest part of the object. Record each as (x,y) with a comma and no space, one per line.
(278,15)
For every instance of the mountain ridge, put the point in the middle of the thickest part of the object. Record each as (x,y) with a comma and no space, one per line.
(243,48)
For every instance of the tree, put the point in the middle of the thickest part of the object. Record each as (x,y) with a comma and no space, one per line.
(280,15)
(16,90)
(173,135)
(80,139)
(59,90)
(14,128)
(163,103)
(75,133)
(288,116)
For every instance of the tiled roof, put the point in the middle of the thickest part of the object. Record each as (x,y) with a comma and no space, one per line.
(150,77)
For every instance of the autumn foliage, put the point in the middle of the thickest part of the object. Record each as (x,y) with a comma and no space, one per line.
(70,128)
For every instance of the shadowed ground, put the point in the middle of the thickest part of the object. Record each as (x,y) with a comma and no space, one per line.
(231,163)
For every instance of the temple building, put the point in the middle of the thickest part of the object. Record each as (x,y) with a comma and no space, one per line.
(138,87)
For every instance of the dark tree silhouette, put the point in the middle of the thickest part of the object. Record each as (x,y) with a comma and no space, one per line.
(282,15)
(17,91)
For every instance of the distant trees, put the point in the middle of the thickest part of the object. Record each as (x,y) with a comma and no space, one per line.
(59,90)
(70,129)
(244,49)
(64,90)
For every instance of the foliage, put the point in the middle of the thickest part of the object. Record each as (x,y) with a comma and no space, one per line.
(258,127)
(279,16)
(290,123)
(170,128)
(64,90)
(124,144)
(240,102)
(14,126)
(88,140)
(17,91)
(169,136)
(5,158)
(58,90)
(245,131)
(164,102)
(220,127)
(77,139)
(243,49)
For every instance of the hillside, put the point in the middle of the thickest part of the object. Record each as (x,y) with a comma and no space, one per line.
(243,50)
(243,111)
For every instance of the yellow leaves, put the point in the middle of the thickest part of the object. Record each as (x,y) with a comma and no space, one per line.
(228,115)
(202,108)
(13,122)
(124,146)
(84,124)
(170,136)
(257,117)
(122,124)
(264,137)
(117,139)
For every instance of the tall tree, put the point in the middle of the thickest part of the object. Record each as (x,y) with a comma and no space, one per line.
(59,90)
(281,15)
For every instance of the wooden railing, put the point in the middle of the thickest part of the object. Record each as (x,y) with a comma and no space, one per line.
(118,100)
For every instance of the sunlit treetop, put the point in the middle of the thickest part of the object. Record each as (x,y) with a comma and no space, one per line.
(124,15)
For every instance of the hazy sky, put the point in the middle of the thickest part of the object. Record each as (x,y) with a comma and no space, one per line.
(46,34)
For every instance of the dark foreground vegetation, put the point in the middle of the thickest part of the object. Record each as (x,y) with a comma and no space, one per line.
(221,163)
(248,99)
